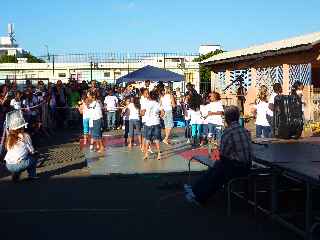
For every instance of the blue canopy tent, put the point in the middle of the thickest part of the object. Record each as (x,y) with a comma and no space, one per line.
(151,73)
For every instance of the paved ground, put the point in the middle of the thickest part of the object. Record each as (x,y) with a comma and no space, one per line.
(68,203)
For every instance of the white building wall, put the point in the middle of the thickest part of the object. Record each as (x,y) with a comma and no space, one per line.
(64,71)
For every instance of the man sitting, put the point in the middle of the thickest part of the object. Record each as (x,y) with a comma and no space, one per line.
(235,160)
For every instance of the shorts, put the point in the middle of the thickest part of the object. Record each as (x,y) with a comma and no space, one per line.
(97,129)
(168,119)
(153,133)
(134,127)
(143,130)
(85,123)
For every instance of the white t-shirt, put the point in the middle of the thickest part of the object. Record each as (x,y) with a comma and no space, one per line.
(204,113)
(111,103)
(144,105)
(20,150)
(133,112)
(215,107)
(262,108)
(152,113)
(271,100)
(15,104)
(195,117)
(95,111)
(85,112)
(166,103)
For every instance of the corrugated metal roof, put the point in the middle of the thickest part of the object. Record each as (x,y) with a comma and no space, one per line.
(309,39)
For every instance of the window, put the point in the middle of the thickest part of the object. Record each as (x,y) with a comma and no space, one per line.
(62,75)
(107,74)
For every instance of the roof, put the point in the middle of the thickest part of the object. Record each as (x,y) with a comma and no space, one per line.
(153,74)
(276,47)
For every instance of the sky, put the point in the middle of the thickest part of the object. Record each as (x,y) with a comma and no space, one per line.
(82,26)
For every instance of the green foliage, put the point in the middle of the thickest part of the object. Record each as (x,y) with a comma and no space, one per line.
(208,55)
(13,59)
(8,59)
(205,74)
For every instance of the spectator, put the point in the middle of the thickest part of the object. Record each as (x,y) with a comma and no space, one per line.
(235,160)
(19,150)
(16,101)
(111,105)
(61,104)
(73,100)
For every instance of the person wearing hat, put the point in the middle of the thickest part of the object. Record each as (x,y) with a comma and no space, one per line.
(19,147)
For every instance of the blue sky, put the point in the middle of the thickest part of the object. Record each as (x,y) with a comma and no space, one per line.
(154,26)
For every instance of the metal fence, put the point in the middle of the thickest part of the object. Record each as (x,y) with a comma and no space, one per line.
(107,57)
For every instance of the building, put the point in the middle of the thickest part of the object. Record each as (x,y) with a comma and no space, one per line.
(101,67)
(285,61)
(8,45)
(207,48)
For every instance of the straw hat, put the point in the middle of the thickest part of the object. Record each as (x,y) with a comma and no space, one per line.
(15,120)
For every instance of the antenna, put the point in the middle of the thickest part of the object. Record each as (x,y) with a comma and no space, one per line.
(11,33)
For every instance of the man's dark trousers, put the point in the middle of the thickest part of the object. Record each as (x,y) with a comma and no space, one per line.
(223,171)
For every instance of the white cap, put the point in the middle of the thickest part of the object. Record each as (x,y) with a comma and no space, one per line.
(15,120)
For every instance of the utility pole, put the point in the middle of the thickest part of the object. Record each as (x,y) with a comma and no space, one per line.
(164,60)
(91,63)
(53,65)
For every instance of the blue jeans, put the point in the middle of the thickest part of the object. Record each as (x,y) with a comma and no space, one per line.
(111,119)
(263,131)
(28,164)
(215,131)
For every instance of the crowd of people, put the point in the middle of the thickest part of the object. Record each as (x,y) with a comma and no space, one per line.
(142,112)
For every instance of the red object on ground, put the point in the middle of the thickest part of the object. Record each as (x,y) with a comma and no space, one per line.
(200,152)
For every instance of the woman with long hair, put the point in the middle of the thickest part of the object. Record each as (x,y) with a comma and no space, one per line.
(19,152)
(263,128)
(167,103)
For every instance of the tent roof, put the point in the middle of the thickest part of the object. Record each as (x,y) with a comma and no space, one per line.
(153,74)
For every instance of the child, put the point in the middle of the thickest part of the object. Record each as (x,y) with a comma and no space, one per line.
(83,109)
(95,122)
(185,108)
(19,150)
(125,116)
(153,128)
(215,121)
(204,115)
(134,121)
(144,105)
(16,102)
(195,119)
(263,128)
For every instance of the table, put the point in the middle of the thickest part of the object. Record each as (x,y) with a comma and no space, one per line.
(300,161)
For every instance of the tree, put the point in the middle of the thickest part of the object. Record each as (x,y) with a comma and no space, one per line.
(8,59)
(205,74)
(14,59)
